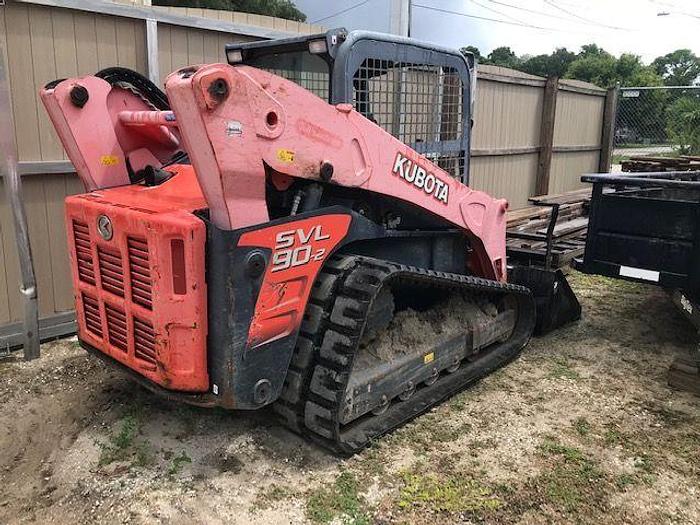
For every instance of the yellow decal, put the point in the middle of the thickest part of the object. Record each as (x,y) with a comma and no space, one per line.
(429,358)
(109,160)
(285,155)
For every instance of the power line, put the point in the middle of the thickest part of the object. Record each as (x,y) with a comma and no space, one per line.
(533,11)
(340,12)
(555,6)
(676,10)
(497,11)
(521,24)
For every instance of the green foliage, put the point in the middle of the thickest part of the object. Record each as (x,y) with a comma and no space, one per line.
(683,124)
(595,65)
(503,56)
(474,51)
(582,426)
(596,69)
(553,65)
(340,503)
(679,68)
(562,370)
(119,444)
(574,480)
(178,462)
(279,8)
(453,494)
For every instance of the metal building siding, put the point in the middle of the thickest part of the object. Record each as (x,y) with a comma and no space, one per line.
(506,115)
(507,176)
(567,168)
(579,119)
(43,198)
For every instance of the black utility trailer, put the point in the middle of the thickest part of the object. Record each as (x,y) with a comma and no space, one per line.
(645,227)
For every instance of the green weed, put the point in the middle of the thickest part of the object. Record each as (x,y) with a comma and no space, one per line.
(339,502)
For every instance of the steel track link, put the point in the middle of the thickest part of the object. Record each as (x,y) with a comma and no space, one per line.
(313,396)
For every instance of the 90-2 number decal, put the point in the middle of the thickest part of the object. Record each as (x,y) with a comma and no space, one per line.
(294,248)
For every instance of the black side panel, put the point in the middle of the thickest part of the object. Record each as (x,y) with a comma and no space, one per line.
(232,293)
(244,378)
(645,229)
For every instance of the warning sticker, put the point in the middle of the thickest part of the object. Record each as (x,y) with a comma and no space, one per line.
(109,160)
(429,358)
(285,155)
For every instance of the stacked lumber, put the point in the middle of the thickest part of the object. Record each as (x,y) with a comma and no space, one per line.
(568,235)
(646,163)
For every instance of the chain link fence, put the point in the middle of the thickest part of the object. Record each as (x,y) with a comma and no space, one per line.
(657,122)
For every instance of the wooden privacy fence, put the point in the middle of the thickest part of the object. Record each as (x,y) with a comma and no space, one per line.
(531,135)
(534,136)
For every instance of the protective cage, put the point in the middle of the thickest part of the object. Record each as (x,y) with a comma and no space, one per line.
(418,92)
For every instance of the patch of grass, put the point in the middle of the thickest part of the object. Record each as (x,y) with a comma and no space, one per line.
(625,480)
(614,436)
(177,463)
(582,426)
(458,403)
(451,494)
(644,463)
(687,446)
(551,447)
(341,502)
(428,430)
(145,456)
(371,461)
(270,495)
(573,480)
(118,446)
(562,370)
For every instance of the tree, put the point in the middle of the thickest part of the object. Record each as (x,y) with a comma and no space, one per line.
(279,8)
(503,56)
(598,69)
(683,124)
(474,51)
(553,65)
(679,68)
(592,50)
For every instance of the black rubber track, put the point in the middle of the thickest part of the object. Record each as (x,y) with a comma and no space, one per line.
(313,396)
(146,88)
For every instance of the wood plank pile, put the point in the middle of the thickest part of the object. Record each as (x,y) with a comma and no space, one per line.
(646,163)
(568,236)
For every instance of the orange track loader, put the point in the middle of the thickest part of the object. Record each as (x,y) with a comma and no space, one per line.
(295,228)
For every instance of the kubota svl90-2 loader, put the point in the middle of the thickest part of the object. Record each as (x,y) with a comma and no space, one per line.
(294,227)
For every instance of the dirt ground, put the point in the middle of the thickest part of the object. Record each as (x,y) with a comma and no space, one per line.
(582,428)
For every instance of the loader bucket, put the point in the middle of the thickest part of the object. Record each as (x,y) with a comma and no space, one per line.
(555,301)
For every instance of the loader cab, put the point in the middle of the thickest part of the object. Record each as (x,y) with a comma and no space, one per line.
(420,93)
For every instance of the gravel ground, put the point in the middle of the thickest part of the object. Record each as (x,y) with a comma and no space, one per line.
(582,428)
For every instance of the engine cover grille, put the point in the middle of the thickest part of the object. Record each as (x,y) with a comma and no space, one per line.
(137,300)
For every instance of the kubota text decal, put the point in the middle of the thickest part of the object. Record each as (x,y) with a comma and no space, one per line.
(419,177)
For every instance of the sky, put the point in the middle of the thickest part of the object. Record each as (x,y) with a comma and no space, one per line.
(644,27)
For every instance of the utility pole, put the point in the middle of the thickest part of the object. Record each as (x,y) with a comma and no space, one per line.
(13,191)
